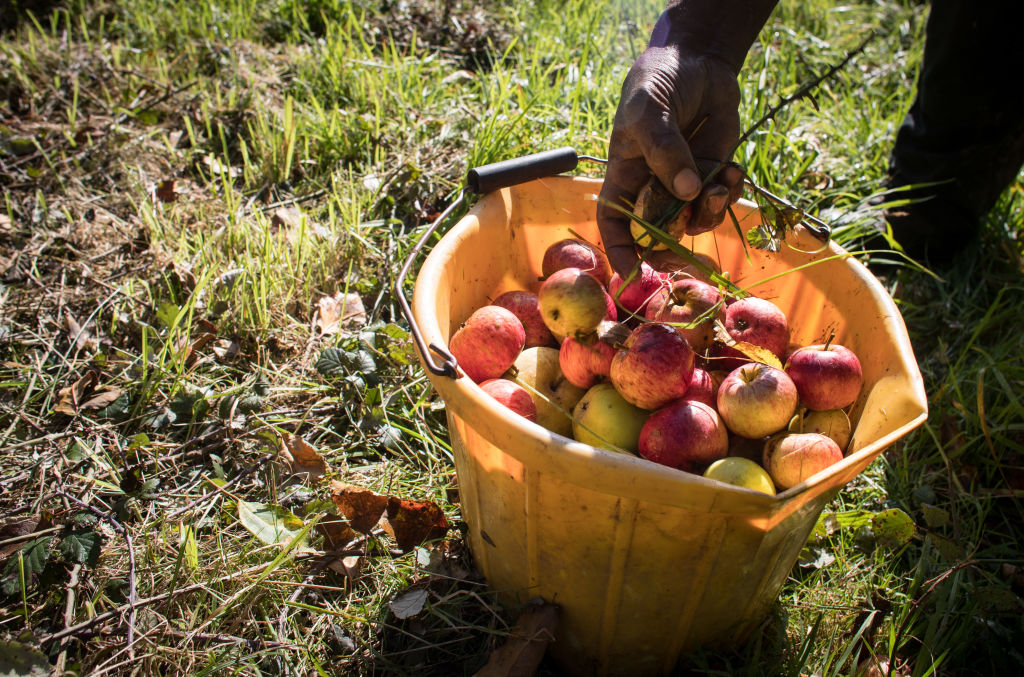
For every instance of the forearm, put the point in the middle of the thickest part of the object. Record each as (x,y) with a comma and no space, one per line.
(719,28)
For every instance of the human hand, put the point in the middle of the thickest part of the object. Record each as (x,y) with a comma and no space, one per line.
(678,120)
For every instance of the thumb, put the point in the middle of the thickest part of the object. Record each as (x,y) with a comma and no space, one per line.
(669,156)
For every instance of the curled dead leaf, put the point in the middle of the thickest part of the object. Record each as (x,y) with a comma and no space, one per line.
(302,457)
(522,653)
(165,191)
(84,394)
(412,522)
(336,532)
(339,310)
(361,507)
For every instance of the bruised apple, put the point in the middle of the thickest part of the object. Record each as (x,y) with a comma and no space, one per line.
(571,253)
(826,376)
(524,305)
(488,342)
(635,295)
(792,458)
(512,395)
(685,434)
(757,400)
(756,321)
(588,359)
(655,366)
(832,423)
(572,302)
(682,304)
(603,419)
(537,370)
(702,388)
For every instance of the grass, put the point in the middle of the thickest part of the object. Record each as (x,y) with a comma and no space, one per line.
(365,117)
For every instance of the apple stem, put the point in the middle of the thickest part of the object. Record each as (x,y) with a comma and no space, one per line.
(831,338)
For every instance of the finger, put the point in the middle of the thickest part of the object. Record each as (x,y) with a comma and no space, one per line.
(623,180)
(669,157)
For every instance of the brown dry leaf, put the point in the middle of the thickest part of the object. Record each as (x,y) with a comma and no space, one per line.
(227,349)
(361,507)
(340,310)
(336,532)
(165,191)
(71,397)
(350,567)
(79,335)
(412,522)
(293,220)
(522,653)
(101,398)
(301,457)
(17,528)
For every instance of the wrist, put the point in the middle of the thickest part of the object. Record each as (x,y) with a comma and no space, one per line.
(720,29)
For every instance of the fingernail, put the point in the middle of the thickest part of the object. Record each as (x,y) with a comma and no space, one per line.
(686,184)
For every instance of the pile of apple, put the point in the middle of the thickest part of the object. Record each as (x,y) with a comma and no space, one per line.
(661,382)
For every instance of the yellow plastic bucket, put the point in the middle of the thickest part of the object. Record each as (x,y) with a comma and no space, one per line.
(647,562)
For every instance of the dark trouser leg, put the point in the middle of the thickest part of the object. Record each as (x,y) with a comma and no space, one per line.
(966,127)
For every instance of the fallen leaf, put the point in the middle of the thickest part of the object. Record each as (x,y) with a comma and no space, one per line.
(339,310)
(271,524)
(70,398)
(350,567)
(227,349)
(302,457)
(206,333)
(409,603)
(165,191)
(336,532)
(412,522)
(101,398)
(522,653)
(18,528)
(361,507)
(80,336)
(758,354)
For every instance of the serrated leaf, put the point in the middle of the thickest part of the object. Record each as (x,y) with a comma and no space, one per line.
(271,524)
(892,527)
(81,545)
(22,660)
(409,603)
(34,555)
(332,362)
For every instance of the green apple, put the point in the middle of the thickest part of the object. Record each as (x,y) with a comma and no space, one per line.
(537,370)
(603,419)
(742,472)
(833,423)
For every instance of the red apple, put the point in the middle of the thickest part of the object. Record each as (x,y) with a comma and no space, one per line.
(826,376)
(587,360)
(655,367)
(702,388)
(685,434)
(572,302)
(635,295)
(794,457)
(512,395)
(524,305)
(488,342)
(757,400)
(755,321)
(570,253)
(684,302)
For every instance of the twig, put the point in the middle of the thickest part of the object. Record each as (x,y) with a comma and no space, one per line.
(69,614)
(295,200)
(804,91)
